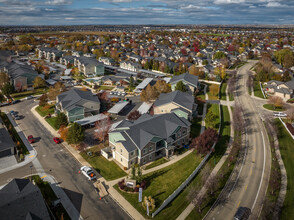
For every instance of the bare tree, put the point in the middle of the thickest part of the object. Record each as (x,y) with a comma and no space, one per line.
(238,120)
(196,199)
(276,101)
(290,114)
(102,129)
(134,115)
(205,141)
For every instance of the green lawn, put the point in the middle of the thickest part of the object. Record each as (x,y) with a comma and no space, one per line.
(20,95)
(223,91)
(156,163)
(286,148)
(51,122)
(106,87)
(14,134)
(215,109)
(162,183)
(178,205)
(196,127)
(272,108)
(257,90)
(49,197)
(44,110)
(108,169)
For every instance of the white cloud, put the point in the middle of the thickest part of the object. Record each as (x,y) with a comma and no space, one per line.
(59,2)
(274,4)
(228,1)
(116,1)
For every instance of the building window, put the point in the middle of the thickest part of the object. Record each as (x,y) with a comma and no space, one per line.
(121,159)
(150,148)
(144,160)
(144,151)
(132,153)
(121,150)
(131,162)
(150,157)
(184,132)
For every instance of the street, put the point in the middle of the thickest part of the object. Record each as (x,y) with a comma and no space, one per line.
(248,183)
(58,162)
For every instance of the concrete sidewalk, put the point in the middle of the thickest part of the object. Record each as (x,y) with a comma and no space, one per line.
(28,158)
(203,190)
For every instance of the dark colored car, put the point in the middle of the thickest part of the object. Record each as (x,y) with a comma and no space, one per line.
(17,117)
(15,101)
(31,139)
(56,140)
(242,213)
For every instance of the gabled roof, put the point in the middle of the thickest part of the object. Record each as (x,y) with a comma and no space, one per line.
(182,99)
(188,78)
(20,199)
(146,127)
(5,140)
(76,97)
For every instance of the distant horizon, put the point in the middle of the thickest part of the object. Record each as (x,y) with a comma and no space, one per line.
(137,12)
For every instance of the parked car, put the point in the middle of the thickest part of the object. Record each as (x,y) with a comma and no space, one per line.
(31,139)
(15,101)
(13,112)
(242,213)
(280,114)
(48,116)
(88,172)
(56,140)
(29,97)
(17,117)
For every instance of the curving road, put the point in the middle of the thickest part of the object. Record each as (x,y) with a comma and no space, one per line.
(249,180)
(58,162)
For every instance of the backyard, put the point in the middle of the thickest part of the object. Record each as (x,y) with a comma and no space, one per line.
(162,183)
(214,108)
(108,169)
(286,148)
(156,163)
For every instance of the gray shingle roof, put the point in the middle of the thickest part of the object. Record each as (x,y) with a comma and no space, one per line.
(76,97)
(20,199)
(146,127)
(6,141)
(181,98)
(189,78)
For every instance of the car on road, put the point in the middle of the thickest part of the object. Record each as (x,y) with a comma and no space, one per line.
(31,139)
(88,172)
(242,213)
(13,113)
(29,97)
(280,114)
(56,140)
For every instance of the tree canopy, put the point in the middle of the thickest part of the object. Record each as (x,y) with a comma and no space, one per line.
(180,86)
(75,134)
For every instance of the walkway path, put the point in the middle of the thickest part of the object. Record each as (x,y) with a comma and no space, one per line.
(191,206)
(204,110)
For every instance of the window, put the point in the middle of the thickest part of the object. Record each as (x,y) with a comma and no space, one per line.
(150,149)
(132,153)
(144,151)
(144,160)
(121,150)
(150,157)
(131,162)
(184,132)
(121,159)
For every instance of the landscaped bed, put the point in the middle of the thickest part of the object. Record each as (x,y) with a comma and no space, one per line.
(162,183)
(272,108)
(156,163)
(108,169)
(257,90)
(59,212)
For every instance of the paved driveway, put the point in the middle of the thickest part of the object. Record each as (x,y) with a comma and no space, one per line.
(7,162)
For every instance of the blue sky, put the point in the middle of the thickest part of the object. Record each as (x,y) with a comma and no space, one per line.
(67,12)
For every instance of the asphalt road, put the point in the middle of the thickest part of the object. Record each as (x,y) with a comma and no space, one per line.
(248,183)
(58,162)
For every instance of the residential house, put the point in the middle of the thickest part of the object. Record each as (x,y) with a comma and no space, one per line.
(77,104)
(148,138)
(107,61)
(21,76)
(67,60)
(89,66)
(7,146)
(181,103)
(191,82)
(130,66)
(49,53)
(284,90)
(21,199)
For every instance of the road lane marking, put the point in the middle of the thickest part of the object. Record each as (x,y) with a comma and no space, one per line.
(264,156)
(43,177)
(31,156)
(238,204)
(246,187)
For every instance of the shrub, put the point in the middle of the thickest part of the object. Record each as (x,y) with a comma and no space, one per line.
(143,184)
(21,156)
(136,189)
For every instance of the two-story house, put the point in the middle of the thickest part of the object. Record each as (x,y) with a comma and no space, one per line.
(89,66)
(284,90)
(148,138)
(191,82)
(77,104)
(181,103)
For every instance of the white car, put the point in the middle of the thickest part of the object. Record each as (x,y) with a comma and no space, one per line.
(88,172)
(280,114)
